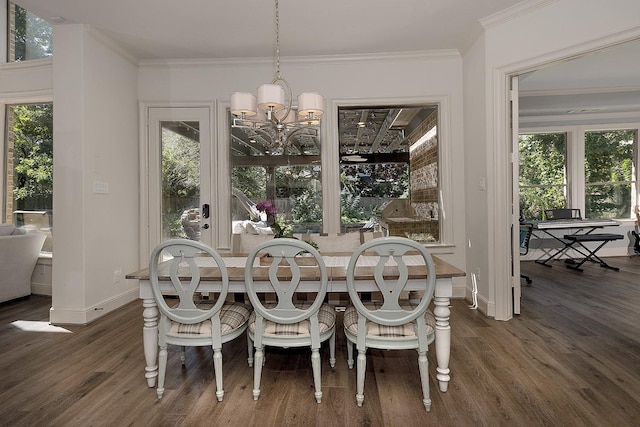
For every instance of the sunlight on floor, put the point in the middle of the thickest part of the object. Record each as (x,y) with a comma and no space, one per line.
(38,326)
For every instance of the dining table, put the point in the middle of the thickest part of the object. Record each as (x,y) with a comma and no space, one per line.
(336,264)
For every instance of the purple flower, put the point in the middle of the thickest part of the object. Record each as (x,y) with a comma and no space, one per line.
(267,207)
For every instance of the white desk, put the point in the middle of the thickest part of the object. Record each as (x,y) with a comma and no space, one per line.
(336,267)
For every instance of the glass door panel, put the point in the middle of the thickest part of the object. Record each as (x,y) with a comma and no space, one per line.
(180,171)
(180,181)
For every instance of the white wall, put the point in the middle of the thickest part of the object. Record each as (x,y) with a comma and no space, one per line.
(96,140)
(342,79)
(475,166)
(560,29)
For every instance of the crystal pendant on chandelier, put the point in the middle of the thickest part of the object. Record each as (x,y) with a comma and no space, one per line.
(270,116)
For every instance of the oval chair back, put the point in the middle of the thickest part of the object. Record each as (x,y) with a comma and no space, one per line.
(390,252)
(184,274)
(291,320)
(393,322)
(193,320)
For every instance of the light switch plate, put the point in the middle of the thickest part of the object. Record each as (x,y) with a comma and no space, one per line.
(100,187)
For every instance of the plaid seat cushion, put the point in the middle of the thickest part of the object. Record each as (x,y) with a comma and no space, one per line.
(375,329)
(232,316)
(326,320)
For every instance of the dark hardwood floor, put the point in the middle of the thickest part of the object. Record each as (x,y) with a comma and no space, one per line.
(572,358)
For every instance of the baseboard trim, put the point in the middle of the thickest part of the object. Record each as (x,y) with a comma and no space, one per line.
(65,316)
(41,289)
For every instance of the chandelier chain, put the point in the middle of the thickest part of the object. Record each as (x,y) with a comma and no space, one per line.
(277,126)
(278,74)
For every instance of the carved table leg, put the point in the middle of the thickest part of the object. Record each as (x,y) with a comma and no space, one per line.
(150,340)
(443,340)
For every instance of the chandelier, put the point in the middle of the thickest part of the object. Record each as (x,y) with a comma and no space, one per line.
(271,115)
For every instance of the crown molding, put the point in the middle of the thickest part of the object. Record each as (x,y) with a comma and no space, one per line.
(579,91)
(600,118)
(513,12)
(324,59)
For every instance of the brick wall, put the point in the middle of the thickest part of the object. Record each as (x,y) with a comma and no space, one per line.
(423,184)
(10,138)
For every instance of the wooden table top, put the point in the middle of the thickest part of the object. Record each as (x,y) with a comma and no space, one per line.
(336,268)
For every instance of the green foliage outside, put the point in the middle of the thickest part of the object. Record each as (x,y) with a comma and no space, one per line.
(300,185)
(33,36)
(33,157)
(294,181)
(180,180)
(351,210)
(306,209)
(252,181)
(608,172)
(379,182)
(542,173)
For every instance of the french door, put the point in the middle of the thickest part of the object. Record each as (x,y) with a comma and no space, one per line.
(180,177)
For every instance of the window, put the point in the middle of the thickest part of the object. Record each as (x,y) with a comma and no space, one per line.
(543,182)
(389,170)
(609,170)
(285,172)
(583,167)
(29,168)
(30,37)
(387,175)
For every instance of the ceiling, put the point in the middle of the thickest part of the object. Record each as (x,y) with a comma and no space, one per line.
(599,87)
(572,91)
(187,29)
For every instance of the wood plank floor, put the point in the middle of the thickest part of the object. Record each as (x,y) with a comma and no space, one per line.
(572,358)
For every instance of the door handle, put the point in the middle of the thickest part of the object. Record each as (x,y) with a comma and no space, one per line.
(205,210)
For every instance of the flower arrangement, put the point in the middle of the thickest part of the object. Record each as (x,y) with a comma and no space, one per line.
(277,223)
(268,208)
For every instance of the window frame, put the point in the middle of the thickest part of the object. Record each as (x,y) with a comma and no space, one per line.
(575,159)
(330,161)
(635,161)
(331,165)
(4,108)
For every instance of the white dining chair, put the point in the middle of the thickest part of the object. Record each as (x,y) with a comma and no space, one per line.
(289,321)
(390,323)
(193,320)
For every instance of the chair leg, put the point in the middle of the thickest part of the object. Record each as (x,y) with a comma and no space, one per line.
(317,375)
(423,364)
(349,354)
(217,368)
(183,357)
(257,372)
(162,370)
(332,350)
(361,369)
(250,350)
